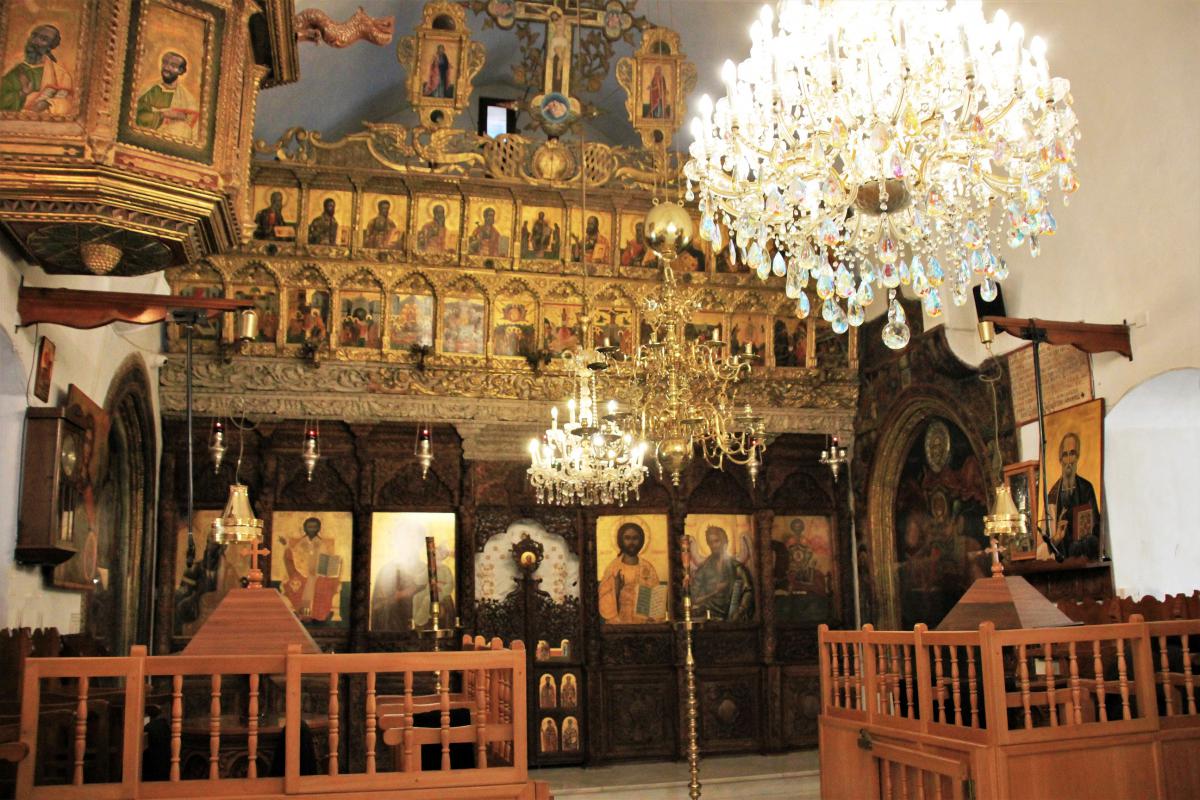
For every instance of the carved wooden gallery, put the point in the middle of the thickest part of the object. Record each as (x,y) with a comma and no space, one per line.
(415,406)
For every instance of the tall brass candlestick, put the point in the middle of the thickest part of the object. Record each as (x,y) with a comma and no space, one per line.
(431,565)
(689,664)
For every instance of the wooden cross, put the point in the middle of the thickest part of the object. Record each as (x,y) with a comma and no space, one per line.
(560,17)
(995,549)
(254,550)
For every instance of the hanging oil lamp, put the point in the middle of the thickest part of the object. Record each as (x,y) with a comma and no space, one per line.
(423,449)
(216,444)
(310,452)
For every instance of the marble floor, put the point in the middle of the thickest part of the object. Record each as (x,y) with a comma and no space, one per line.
(789,775)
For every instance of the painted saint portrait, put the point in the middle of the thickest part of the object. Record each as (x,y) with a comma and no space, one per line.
(749,329)
(436,222)
(570,733)
(705,324)
(331,225)
(790,341)
(254,282)
(310,563)
(568,691)
(167,105)
(634,250)
(39,69)
(463,324)
(489,221)
(548,736)
(802,568)
(439,62)
(410,320)
(720,560)
(360,319)
(941,498)
(547,693)
(613,327)
(656,94)
(276,215)
(832,349)
(562,329)
(386,217)
(631,562)
(308,317)
(1074,471)
(199,280)
(595,244)
(45,369)
(513,328)
(93,529)
(541,233)
(400,597)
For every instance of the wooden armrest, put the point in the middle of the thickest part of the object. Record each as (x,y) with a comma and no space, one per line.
(13,751)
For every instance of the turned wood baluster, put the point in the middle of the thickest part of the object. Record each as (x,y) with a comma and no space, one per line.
(444,698)
(1189,690)
(1051,698)
(480,720)
(407,722)
(252,729)
(372,723)
(1023,672)
(885,772)
(1076,710)
(911,700)
(894,678)
(881,680)
(939,682)
(1122,679)
(838,655)
(1098,674)
(920,776)
(81,712)
(857,673)
(214,729)
(937,786)
(1165,676)
(958,692)
(176,723)
(832,673)
(972,692)
(903,781)
(334,725)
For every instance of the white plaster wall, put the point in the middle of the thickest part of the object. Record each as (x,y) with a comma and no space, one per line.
(1127,247)
(1152,445)
(85,358)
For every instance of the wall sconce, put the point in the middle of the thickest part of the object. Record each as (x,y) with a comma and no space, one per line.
(216,444)
(423,449)
(310,451)
(239,329)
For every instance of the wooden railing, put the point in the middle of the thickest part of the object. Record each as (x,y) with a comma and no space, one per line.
(1105,711)
(486,683)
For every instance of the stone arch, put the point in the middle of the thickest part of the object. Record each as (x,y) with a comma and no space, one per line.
(912,410)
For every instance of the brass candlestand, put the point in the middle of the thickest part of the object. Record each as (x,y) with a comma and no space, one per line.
(689,664)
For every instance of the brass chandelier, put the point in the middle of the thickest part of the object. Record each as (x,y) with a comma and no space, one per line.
(685,387)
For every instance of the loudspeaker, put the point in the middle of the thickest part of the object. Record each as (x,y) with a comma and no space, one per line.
(989,308)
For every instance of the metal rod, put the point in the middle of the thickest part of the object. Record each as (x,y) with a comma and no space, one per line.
(853,547)
(1035,335)
(191,541)
(689,664)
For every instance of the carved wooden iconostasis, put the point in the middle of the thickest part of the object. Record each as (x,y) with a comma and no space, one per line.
(347,553)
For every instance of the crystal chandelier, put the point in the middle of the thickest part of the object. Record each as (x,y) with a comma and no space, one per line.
(686,386)
(865,145)
(591,458)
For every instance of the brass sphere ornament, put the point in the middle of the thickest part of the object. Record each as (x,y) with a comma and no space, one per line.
(669,229)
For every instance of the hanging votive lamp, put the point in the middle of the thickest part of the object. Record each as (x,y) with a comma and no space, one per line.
(310,453)
(237,523)
(423,449)
(216,444)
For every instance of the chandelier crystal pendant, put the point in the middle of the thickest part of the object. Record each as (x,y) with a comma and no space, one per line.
(868,145)
(591,458)
(686,386)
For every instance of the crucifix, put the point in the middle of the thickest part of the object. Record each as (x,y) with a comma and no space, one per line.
(561,17)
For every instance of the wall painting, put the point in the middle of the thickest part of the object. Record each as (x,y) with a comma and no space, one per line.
(802,569)
(720,561)
(310,563)
(632,568)
(400,598)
